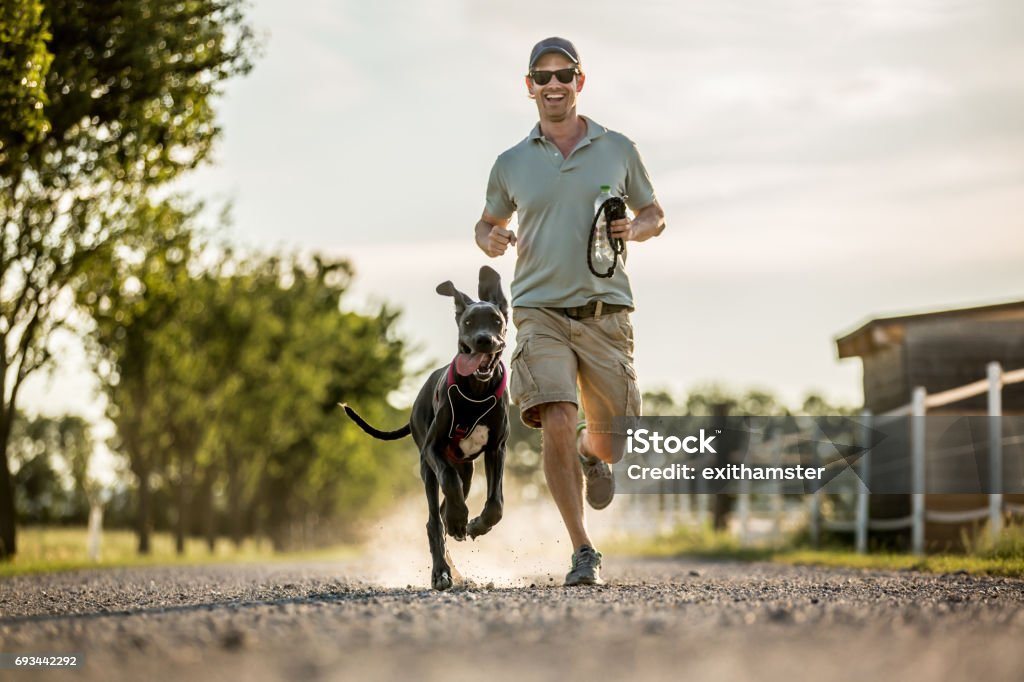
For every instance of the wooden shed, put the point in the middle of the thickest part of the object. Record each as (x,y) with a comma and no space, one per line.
(938,350)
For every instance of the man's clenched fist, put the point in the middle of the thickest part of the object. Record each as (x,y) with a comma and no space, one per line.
(498,240)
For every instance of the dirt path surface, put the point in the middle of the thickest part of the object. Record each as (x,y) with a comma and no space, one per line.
(654,620)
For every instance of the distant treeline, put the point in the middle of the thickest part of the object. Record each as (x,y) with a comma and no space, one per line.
(222,376)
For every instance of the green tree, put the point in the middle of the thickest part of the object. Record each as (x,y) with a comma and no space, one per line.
(318,468)
(815,405)
(24,63)
(133,297)
(51,457)
(127,103)
(227,377)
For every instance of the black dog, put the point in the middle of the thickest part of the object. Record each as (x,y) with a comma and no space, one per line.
(461,411)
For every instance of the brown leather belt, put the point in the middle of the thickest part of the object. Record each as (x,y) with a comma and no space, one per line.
(593,309)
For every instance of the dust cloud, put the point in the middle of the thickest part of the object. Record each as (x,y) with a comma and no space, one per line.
(529,545)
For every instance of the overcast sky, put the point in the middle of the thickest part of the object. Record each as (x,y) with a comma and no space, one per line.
(820,163)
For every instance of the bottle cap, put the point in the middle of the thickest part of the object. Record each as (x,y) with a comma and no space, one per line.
(606,188)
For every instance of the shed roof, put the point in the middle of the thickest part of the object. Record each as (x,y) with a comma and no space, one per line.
(886,331)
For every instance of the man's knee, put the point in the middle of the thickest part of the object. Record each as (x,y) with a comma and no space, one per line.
(558,418)
(558,421)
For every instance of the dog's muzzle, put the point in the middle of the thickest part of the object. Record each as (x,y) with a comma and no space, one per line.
(476,364)
(487,367)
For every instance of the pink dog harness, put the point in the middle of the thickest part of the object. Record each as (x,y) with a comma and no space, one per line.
(466,412)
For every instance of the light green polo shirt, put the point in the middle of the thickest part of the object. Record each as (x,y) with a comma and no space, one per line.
(554,197)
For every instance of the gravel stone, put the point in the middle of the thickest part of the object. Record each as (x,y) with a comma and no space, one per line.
(651,621)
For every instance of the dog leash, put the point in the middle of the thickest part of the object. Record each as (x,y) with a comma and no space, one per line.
(613,209)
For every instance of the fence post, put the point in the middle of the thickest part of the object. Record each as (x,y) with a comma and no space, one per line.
(917,445)
(995,448)
(864,494)
(815,514)
(702,498)
(743,510)
(659,509)
(777,507)
(815,528)
(94,540)
(686,503)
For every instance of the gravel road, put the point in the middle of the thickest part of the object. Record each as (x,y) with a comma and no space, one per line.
(654,620)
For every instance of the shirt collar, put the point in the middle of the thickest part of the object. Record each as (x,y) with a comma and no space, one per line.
(594,130)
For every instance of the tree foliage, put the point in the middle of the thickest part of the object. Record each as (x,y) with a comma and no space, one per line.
(24,63)
(50,457)
(223,377)
(711,398)
(104,101)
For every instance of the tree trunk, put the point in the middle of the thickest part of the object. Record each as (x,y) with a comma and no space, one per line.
(142,523)
(8,544)
(722,502)
(235,505)
(180,528)
(8,532)
(209,521)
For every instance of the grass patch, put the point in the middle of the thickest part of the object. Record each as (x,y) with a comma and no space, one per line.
(935,563)
(690,541)
(1002,557)
(52,549)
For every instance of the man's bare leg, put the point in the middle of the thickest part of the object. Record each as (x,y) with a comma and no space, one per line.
(596,444)
(562,468)
(607,447)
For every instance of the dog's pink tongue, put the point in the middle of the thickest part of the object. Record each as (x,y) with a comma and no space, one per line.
(467,363)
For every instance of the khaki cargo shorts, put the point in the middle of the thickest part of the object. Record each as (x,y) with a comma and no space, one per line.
(556,354)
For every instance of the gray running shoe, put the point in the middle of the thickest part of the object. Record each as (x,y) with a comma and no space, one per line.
(586,567)
(600,482)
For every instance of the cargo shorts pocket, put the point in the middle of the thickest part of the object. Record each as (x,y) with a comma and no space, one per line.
(522,383)
(634,401)
(618,329)
(626,326)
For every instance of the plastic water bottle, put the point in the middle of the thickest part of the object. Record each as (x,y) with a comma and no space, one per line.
(603,254)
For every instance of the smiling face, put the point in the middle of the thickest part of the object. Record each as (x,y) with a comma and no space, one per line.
(556,101)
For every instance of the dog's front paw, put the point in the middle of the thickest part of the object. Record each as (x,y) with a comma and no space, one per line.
(457,532)
(455,520)
(477,527)
(441,581)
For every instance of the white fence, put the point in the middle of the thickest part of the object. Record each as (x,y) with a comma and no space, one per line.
(763,519)
(917,407)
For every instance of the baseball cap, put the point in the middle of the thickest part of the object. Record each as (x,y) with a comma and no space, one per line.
(553,44)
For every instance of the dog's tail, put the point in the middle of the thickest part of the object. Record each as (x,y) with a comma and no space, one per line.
(382,435)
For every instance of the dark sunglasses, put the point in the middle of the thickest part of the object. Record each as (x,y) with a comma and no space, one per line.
(563,75)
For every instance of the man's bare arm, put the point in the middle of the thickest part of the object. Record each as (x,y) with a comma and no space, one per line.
(649,222)
(491,235)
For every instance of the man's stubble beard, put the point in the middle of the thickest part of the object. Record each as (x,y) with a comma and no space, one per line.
(548,118)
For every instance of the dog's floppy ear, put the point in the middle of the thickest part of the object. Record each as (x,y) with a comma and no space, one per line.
(490,289)
(461,300)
